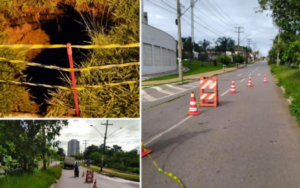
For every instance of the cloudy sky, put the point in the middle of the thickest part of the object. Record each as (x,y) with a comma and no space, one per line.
(210,14)
(125,133)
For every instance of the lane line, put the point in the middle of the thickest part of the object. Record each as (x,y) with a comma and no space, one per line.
(166,131)
(239,75)
(242,79)
(225,92)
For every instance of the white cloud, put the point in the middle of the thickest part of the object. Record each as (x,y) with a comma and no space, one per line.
(125,133)
(241,12)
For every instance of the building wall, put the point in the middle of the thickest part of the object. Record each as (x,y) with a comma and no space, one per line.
(73,147)
(158,49)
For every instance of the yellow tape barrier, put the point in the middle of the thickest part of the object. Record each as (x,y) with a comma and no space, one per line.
(39,46)
(68,69)
(69,88)
(161,170)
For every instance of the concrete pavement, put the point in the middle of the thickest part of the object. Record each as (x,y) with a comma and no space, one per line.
(68,180)
(250,140)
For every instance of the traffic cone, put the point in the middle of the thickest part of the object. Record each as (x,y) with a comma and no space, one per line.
(249,82)
(193,106)
(265,79)
(232,90)
(95,186)
(144,153)
(83,174)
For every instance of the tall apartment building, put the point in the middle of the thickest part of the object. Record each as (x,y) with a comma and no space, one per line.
(73,147)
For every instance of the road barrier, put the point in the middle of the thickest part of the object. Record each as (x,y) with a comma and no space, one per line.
(89,176)
(95,184)
(71,69)
(265,79)
(232,89)
(209,95)
(145,152)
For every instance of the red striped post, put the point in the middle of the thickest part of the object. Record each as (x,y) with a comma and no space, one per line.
(69,50)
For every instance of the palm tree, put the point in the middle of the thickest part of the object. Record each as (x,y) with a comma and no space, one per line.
(225,44)
(204,46)
(188,46)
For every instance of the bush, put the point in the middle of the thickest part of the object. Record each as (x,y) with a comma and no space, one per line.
(238,58)
(224,59)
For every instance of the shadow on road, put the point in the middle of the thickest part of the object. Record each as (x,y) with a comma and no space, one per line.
(182,138)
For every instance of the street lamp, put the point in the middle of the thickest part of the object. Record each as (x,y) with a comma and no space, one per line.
(103,151)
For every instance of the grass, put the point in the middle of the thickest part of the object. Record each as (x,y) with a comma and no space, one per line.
(290,80)
(40,179)
(194,68)
(129,177)
(152,85)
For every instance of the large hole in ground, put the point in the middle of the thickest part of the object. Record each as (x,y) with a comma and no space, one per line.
(68,28)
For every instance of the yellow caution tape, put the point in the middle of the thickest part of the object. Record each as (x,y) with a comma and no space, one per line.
(161,170)
(68,69)
(69,88)
(165,102)
(39,46)
(107,46)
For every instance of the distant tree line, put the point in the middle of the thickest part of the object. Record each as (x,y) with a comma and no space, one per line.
(114,157)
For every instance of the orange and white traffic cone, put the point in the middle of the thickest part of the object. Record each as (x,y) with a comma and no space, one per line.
(95,186)
(193,105)
(232,90)
(265,79)
(83,174)
(145,151)
(249,83)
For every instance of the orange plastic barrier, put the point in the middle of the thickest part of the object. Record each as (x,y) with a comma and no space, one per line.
(209,94)
(89,176)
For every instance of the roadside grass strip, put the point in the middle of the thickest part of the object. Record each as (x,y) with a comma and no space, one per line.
(39,179)
(290,80)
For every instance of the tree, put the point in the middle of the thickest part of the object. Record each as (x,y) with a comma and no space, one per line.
(225,44)
(188,45)
(24,142)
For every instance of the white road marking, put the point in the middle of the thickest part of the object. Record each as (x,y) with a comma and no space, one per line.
(249,74)
(242,79)
(258,74)
(171,86)
(148,97)
(239,75)
(225,92)
(144,92)
(163,91)
(166,131)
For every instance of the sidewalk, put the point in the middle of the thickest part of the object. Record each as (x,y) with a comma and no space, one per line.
(195,76)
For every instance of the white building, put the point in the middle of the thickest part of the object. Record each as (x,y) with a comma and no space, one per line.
(158,49)
(73,147)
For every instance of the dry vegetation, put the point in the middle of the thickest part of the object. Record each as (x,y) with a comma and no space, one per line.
(120,101)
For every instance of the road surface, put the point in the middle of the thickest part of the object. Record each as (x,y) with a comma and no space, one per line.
(250,140)
(68,180)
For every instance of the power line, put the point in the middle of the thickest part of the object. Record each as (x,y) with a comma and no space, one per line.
(225,13)
(221,17)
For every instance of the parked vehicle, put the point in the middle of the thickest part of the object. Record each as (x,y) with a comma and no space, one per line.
(69,162)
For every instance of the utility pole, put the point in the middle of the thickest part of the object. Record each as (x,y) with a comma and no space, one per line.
(103,150)
(254,48)
(278,48)
(179,41)
(192,20)
(239,31)
(249,45)
(85,143)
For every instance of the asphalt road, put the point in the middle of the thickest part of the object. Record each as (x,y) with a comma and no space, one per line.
(68,180)
(250,140)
